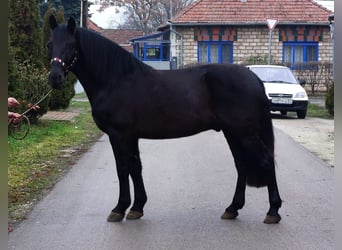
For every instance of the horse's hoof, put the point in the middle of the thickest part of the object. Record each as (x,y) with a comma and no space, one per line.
(272,219)
(115,217)
(229,215)
(134,215)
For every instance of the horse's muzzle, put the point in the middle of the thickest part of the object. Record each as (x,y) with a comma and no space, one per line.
(56,79)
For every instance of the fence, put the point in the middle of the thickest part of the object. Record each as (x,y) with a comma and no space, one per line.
(318,75)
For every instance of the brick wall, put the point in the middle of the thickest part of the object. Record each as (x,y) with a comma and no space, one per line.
(253,42)
(189,45)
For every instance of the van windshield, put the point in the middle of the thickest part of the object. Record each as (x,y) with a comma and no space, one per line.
(270,74)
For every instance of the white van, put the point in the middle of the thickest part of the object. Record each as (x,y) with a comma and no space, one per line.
(283,90)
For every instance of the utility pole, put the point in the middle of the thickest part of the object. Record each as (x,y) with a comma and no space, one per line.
(84,13)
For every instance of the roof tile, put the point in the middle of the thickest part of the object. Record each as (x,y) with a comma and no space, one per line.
(120,36)
(252,11)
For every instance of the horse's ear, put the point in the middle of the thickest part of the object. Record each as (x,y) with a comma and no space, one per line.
(71,25)
(53,22)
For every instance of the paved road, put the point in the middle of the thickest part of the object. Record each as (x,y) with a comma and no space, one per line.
(189,183)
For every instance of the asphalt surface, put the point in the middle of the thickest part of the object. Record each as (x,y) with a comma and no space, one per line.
(189,182)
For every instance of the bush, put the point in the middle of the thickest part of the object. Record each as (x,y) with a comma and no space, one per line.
(60,99)
(329,100)
(28,87)
(261,59)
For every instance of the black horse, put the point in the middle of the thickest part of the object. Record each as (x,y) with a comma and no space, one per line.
(131,100)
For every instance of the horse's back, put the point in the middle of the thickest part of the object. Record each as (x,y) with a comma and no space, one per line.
(200,98)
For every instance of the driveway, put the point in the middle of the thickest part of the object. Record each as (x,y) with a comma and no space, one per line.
(315,134)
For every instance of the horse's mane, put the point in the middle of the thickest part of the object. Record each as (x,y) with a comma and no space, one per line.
(105,58)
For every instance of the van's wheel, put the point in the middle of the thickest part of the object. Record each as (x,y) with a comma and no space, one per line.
(301,114)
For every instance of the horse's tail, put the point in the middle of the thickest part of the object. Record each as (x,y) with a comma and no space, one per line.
(253,152)
(262,170)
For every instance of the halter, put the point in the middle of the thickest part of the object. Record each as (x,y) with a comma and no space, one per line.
(60,61)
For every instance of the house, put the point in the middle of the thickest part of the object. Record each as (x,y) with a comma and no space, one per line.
(153,49)
(93,26)
(236,31)
(120,36)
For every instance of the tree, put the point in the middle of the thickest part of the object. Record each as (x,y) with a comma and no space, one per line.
(27,77)
(329,100)
(13,72)
(147,15)
(24,30)
(46,33)
(69,8)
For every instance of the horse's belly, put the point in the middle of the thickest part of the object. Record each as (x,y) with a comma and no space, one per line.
(169,133)
(175,127)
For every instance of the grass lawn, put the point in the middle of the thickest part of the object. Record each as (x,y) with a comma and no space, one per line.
(38,161)
(317,111)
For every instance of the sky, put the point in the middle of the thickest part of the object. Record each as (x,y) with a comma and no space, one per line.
(327,4)
(107,19)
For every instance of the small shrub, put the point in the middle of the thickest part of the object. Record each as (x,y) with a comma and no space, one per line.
(28,87)
(261,59)
(329,100)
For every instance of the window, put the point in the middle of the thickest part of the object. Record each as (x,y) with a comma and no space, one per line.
(300,54)
(160,52)
(215,52)
(155,47)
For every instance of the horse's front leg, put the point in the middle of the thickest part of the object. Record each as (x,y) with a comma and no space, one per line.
(135,171)
(127,159)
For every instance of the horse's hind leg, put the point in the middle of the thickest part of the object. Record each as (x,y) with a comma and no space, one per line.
(127,163)
(273,216)
(255,167)
(238,202)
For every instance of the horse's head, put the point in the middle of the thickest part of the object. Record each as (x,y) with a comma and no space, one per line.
(62,50)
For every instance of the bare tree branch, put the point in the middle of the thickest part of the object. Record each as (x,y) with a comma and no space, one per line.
(146,15)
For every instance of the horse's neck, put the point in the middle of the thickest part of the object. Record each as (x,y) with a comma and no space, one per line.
(84,78)
(86,74)
(94,75)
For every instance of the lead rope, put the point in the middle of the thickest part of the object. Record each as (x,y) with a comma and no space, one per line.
(20,129)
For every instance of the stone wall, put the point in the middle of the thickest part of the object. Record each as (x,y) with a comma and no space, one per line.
(189,45)
(252,41)
(252,44)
